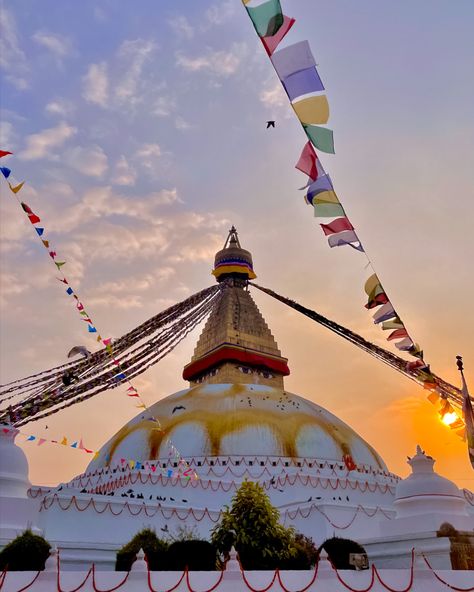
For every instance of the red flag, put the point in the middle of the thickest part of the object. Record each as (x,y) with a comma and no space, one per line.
(271,42)
(336,226)
(307,162)
(34,218)
(349,462)
(398,334)
(4,153)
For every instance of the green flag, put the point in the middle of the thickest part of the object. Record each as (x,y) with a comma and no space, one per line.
(267,18)
(321,137)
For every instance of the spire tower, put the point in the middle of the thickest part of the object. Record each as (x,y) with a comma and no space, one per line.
(236,345)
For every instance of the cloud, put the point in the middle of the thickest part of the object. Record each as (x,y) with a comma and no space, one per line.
(60,107)
(220,13)
(182,125)
(58,45)
(88,160)
(148,155)
(218,63)
(124,174)
(181,26)
(133,55)
(12,57)
(38,145)
(7,134)
(96,84)
(163,106)
(11,287)
(273,95)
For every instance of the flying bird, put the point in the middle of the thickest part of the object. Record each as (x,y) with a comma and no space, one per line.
(79,350)
(177,408)
(270,124)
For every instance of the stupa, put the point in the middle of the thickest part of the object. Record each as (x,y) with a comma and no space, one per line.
(236,421)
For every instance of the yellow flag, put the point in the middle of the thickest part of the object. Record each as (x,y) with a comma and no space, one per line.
(326,197)
(64,441)
(17,188)
(312,110)
(96,455)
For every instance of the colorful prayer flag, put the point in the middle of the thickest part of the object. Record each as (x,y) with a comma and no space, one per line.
(271,42)
(405,344)
(346,237)
(4,153)
(312,110)
(395,323)
(267,17)
(307,161)
(468,416)
(321,137)
(91,329)
(398,334)
(31,438)
(293,58)
(322,184)
(336,226)
(5,172)
(39,231)
(59,264)
(64,441)
(328,210)
(385,312)
(303,82)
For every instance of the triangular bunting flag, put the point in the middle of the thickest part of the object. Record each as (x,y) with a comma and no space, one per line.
(4,153)
(17,188)
(5,172)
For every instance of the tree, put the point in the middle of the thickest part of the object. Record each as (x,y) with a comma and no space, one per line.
(154,548)
(306,554)
(28,552)
(252,525)
(339,549)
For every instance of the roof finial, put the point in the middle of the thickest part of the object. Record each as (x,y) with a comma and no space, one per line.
(232,239)
(232,261)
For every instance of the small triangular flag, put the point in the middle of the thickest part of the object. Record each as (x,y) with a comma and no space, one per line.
(5,171)
(74,445)
(59,264)
(17,188)
(4,153)
(64,441)
(41,441)
(40,231)
(91,329)
(45,243)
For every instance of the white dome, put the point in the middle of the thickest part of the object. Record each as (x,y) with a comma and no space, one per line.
(14,468)
(237,419)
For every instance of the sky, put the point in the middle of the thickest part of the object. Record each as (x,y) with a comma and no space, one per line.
(140,131)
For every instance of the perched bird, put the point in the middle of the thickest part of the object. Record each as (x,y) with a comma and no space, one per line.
(177,408)
(165,528)
(270,124)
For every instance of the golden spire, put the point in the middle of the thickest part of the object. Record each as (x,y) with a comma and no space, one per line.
(236,345)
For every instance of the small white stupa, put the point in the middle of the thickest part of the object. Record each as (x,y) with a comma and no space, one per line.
(424,502)
(17,510)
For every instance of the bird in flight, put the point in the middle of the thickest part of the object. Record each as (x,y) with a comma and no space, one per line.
(177,408)
(270,124)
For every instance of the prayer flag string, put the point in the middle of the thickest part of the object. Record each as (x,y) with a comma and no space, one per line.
(121,375)
(295,66)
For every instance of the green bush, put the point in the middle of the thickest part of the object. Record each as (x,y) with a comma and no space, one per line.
(306,553)
(196,555)
(28,552)
(252,525)
(339,549)
(154,548)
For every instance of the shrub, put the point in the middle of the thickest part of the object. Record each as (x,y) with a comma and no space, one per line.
(251,525)
(194,554)
(153,547)
(306,553)
(28,552)
(339,549)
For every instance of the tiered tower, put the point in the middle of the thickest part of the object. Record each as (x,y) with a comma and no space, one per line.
(236,345)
